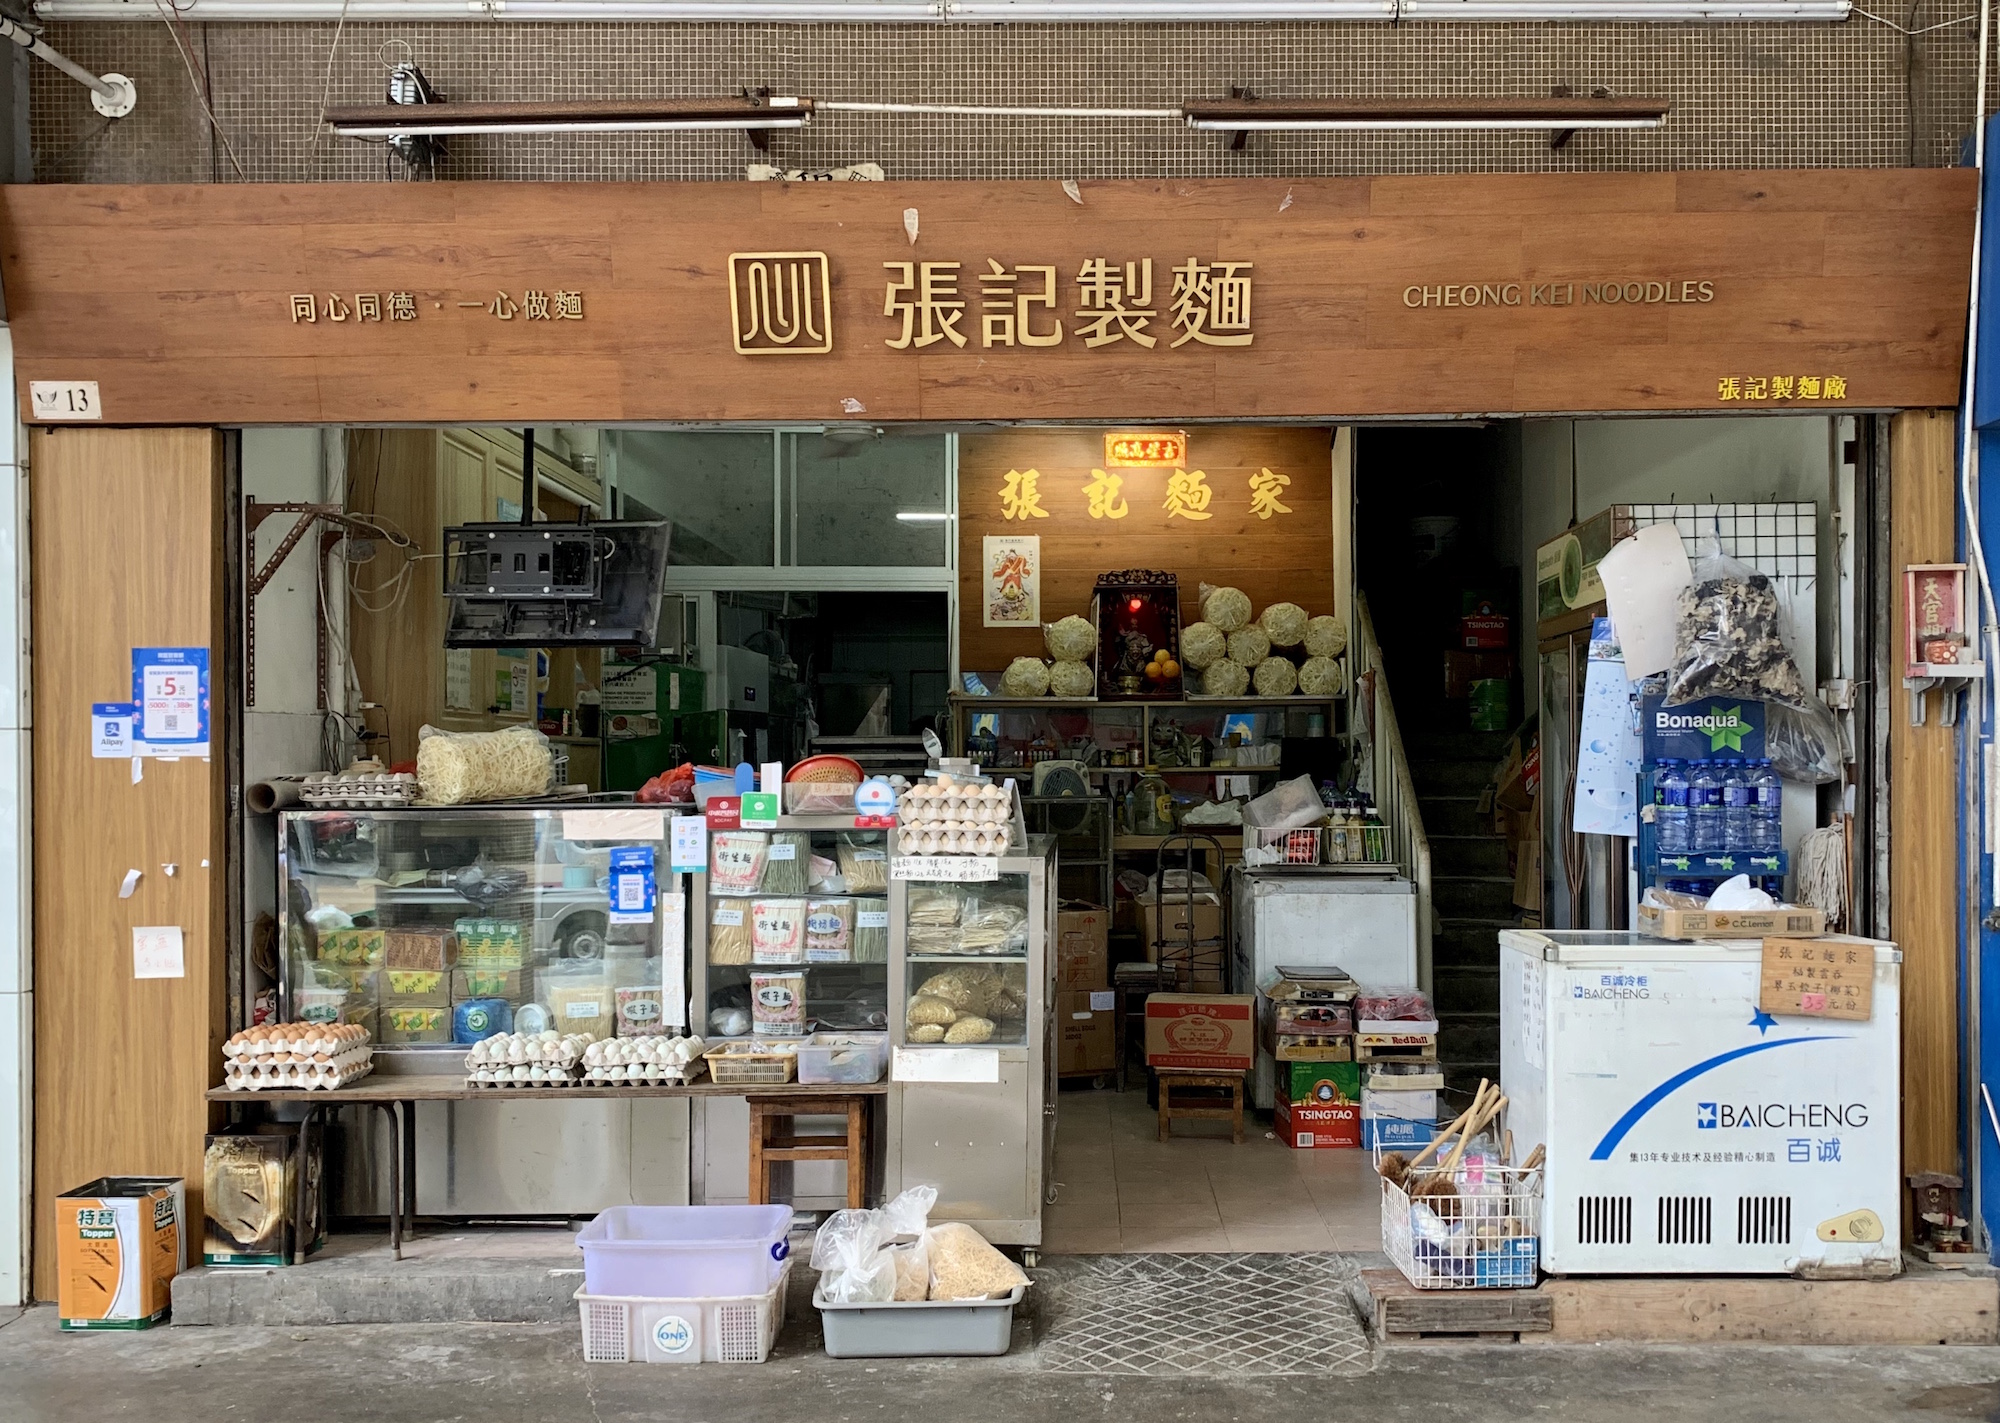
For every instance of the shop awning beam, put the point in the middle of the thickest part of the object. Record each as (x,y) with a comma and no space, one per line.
(975,12)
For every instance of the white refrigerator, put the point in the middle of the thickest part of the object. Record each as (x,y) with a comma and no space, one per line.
(1363,923)
(1688,1131)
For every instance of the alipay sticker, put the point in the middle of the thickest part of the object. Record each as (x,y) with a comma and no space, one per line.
(632,885)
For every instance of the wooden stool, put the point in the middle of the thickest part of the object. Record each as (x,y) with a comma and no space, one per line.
(1219,1098)
(768,1145)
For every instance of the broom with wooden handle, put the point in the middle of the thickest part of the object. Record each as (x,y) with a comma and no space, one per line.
(1396,1168)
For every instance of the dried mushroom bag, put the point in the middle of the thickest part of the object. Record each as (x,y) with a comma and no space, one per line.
(1070,639)
(458,767)
(1728,642)
(730,932)
(964,1266)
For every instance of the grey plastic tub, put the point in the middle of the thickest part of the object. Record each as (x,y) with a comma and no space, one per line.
(921,1328)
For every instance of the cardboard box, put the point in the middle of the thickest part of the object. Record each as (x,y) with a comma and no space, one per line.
(1086,1031)
(513,984)
(1083,946)
(1402,1077)
(1462,669)
(118,1247)
(1202,922)
(1792,920)
(1318,1084)
(1201,1032)
(250,1195)
(1391,1133)
(1419,1106)
(1294,1017)
(1483,632)
(1527,853)
(1290,1048)
(1309,1128)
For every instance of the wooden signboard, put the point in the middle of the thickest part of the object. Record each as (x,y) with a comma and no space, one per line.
(1175,302)
(1818,978)
(1248,507)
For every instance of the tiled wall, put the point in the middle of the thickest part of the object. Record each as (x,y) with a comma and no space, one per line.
(1856,94)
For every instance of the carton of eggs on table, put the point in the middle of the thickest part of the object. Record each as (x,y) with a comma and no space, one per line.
(654,1058)
(950,816)
(296,1055)
(544,1059)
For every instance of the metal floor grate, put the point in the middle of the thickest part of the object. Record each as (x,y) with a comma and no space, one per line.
(1200,1316)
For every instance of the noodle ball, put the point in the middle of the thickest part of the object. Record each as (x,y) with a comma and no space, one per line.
(1249,646)
(1202,645)
(1275,677)
(1226,679)
(1325,637)
(1227,608)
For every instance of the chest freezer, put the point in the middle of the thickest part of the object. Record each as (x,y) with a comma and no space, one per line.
(1688,1132)
(1365,924)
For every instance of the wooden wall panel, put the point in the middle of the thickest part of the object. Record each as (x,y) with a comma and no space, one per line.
(1288,557)
(178,301)
(1923,810)
(127,535)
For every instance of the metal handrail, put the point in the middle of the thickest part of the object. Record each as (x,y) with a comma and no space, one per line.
(1394,788)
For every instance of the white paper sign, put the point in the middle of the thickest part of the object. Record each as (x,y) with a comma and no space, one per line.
(1643,577)
(520,696)
(65,400)
(946,1064)
(615,823)
(947,869)
(1104,1001)
(458,679)
(689,850)
(157,952)
(673,959)
(631,689)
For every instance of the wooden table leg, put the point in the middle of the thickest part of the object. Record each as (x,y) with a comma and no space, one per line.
(760,1186)
(1236,1095)
(1166,1112)
(857,1153)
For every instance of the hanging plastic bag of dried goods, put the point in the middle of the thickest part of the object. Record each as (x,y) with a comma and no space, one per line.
(1729,643)
(1803,742)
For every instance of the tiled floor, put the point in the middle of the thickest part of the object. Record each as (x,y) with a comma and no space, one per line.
(1123,1190)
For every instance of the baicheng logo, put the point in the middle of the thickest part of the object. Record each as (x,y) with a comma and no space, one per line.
(1779,1116)
(1704,1115)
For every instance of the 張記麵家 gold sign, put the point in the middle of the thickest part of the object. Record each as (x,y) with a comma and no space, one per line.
(1630,293)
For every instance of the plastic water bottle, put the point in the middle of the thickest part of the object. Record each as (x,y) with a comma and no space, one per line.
(1670,809)
(1767,814)
(1738,797)
(1705,809)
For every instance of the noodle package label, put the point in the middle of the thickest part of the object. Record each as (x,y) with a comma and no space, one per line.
(778,930)
(736,861)
(634,890)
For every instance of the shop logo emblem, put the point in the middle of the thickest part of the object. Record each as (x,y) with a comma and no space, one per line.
(1704,1116)
(673,1335)
(780,303)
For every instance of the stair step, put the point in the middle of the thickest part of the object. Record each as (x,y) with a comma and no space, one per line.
(1450,777)
(1467,942)
(1458,989)
(1469,1039)
(1453,815)
(1461,1080)
(1468,855)
(1485,747)
(1473,896)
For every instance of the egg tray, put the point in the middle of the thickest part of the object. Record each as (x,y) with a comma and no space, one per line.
(944,840)
(293,1077)
(551,1076)
(657,1074)
(346,1057)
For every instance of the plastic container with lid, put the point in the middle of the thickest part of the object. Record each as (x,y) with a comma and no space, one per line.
(852,1058)
(677,1252)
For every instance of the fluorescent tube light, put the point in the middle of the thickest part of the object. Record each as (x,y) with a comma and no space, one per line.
(1307,115)
(566,116)
(1138,11)
(412,11)
(1663,11)
(923,516)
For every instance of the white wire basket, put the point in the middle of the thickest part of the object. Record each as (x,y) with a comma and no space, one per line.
(1484,1235)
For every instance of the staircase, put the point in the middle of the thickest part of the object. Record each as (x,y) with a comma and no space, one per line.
(1471,892)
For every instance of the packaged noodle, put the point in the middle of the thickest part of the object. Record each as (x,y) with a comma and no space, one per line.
(871,931)
(777,930)
(729,932)
(1025,677)
(736,861)
(1325,637)
(830,931)
(1284,624)
(1275,677)
(1203,645)
(457,767)
(1227,608)
(864,864)
(1321,677)
(787,863)
(1070,639)
(1249,646)
(1225,679)
(778,1004)
(1072,679)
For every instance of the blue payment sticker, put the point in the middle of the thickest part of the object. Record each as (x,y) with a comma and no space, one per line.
(634,892)
(170,694)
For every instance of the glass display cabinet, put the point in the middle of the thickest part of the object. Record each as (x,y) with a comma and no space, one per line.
(974,1034)
(437,927)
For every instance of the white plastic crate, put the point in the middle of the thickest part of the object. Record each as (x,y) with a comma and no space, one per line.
(629,1330)
(1473,1240)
